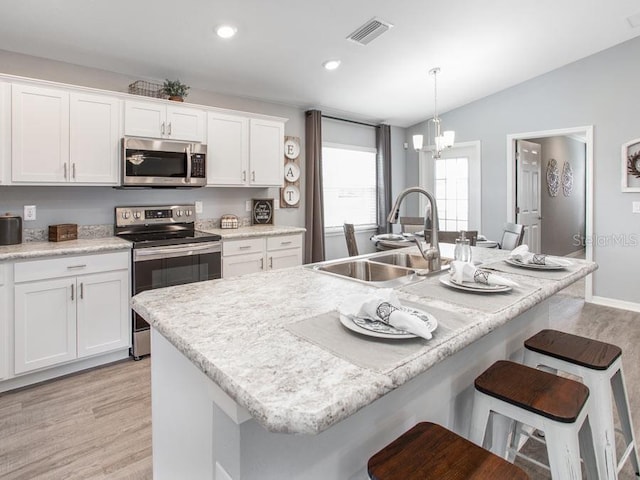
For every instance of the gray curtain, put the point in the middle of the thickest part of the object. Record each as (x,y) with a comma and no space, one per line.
(314,213)
(383,174)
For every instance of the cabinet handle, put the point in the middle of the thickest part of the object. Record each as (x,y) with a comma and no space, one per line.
(73,170)
(82,291)
(72,292)
(244,175)
(65,171)
(162,128)
(244,247)
(169,128)
(253,175)
(72,267)
(285,243)
(262,264)
(270,262)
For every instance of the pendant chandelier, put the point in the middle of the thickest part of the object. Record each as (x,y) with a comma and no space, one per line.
(440,140)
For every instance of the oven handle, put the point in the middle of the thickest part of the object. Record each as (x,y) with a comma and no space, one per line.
(186,250)
(188,151)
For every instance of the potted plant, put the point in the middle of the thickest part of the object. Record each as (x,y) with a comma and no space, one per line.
(175,90)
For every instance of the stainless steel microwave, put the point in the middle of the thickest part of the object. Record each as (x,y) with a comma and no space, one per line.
(148,162)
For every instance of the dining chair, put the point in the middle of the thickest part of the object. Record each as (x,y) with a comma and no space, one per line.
(450,236)
(411,224)
(512,235)
(350,237)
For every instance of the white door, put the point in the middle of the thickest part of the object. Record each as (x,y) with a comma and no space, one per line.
(266,153)
(227,149)
(145,119)
(242,264)
(290,257)
(39,134)
(184,123)
(94,138)
(45,323)
(528,181)
(103,313)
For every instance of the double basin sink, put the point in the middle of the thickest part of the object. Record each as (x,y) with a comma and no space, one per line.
(384,270)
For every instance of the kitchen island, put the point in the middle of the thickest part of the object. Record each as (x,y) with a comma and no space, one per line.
(243,387)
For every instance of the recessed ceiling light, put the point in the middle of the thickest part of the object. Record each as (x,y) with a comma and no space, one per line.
(331,64)
(226,31)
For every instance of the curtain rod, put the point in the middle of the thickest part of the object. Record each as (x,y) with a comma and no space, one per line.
(349,121)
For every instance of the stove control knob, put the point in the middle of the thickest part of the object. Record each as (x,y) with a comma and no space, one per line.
(189,213)
(179,213)
(126,215)
(137,215)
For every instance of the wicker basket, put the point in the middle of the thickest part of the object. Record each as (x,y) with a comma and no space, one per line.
(148,89)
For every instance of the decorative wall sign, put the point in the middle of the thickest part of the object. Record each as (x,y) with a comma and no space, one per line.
(290,192)
(553,177)
(262,211)
(567,179)
(631,166)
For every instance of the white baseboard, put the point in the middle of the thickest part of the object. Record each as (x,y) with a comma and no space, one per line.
(613,303)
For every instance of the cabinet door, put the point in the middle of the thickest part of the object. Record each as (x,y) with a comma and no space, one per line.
(5,133)
(5,315)
(291,257)
(266,153)
(184,123)
(103,312)
(227,149)
(45,323)
(94,138)
(40,134)
(144,119)
(242,264)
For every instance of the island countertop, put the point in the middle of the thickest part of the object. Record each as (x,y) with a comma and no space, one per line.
(235,331)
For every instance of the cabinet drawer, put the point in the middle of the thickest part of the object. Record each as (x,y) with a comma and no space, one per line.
(284,241)
(70,266)
(238,247)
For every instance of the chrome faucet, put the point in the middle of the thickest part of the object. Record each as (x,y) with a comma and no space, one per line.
(431,254)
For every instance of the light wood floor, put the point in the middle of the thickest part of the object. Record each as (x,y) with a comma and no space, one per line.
(97,424)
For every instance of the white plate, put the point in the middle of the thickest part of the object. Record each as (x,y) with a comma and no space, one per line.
(390,236)
(382,330)
(534,266)
(474,287)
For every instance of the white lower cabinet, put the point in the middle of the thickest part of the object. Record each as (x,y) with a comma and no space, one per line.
(258,254)
(5,312)
(69,308)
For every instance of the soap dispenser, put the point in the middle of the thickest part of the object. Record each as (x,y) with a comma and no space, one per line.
(462,251)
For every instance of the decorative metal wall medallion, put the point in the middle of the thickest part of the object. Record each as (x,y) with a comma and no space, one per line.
(567,179)
(553,177)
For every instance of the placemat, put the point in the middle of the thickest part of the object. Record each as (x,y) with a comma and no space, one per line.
(431,288)
(377,354)
(503,266)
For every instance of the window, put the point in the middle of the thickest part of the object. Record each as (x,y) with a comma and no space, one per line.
(349,185)
(451,177)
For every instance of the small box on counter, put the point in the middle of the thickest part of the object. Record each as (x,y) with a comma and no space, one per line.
(63,232)
(229,221)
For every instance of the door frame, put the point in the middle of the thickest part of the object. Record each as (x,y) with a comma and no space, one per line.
(586,132)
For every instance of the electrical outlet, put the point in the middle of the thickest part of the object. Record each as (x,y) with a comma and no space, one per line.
(29,212)
(276,203)
(247,205)
(198,207)
(635,207)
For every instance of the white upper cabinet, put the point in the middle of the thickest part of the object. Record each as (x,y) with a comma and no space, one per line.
(244,151)
(227,149)
(155,120)
(63,137)
(5,132)
(40,134)
(94,138)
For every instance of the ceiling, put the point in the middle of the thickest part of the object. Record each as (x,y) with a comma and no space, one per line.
(277,54)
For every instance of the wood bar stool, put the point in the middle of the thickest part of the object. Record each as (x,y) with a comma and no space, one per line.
(431,452)
(599,365)
(541,400)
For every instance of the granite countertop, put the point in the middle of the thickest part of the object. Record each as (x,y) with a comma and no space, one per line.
(235,331)
(254,231)
(30,250)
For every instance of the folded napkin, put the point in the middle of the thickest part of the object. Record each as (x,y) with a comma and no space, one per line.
(467,272)
(384,306)
(523,255)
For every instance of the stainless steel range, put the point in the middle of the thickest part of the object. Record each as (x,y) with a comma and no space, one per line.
(167,251)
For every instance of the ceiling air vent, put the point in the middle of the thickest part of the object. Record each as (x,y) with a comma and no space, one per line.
(369,31)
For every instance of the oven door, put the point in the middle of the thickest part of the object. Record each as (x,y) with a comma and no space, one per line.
(149,162)
(166,266)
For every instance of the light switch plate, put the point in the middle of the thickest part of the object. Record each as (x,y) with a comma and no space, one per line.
(635,207)
(276,203)
(29,212)
(198,207)
(247,205)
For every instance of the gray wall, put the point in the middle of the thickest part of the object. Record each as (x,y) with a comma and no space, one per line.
(600,90)
(94,205)
(563,218)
